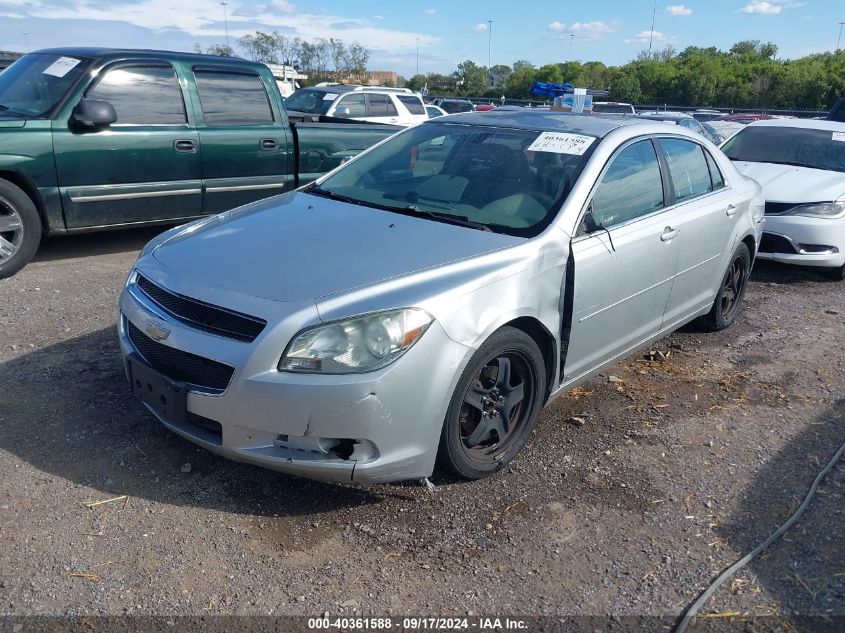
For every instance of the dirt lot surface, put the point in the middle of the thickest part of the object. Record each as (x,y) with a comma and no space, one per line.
(681,465)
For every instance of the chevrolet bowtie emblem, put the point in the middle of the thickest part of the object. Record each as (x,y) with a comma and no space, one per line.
(157,332)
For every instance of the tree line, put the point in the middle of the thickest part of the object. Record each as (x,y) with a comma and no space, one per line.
(322,59)
(749,75)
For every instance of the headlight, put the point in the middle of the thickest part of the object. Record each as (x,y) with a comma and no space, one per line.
(355,345)
(819,210)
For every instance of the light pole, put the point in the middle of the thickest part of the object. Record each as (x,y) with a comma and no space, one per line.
(490,52)
(418,56)
(838,39)
(225,21)
(651,32)
(571,46)
(26,37)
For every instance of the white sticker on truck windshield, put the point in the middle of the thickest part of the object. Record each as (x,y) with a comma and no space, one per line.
(839,136)
(329,96)
(61,67)
(561,143)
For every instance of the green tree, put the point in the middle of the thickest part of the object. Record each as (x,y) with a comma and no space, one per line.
(416,82)
(472,79)
(626,88)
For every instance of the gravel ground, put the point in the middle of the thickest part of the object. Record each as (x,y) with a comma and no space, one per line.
(681,465)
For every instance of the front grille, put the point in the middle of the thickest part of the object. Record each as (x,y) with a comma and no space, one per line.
(203,315)
(178,365)
(778,208)
(772,243)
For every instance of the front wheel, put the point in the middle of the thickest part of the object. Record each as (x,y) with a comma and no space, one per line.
(728,301)
(496,404)
(20,229)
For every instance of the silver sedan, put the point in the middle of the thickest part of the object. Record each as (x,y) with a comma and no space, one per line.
(420,305)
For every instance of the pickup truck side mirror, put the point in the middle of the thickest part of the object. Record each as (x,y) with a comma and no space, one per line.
(343,112)
(92,114)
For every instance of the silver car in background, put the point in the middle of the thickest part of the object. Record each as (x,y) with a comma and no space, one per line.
(421,303)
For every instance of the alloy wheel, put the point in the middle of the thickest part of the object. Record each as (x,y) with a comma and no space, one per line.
(732,288)
(11,230)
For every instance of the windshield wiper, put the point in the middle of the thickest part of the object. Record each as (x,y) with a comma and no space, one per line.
(460,220)
(327,193)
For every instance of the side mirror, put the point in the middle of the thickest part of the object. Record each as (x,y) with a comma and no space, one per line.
(343,112)
(588,223)
(92,114)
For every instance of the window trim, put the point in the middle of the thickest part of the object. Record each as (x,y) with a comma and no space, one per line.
(243,72)
(141,63)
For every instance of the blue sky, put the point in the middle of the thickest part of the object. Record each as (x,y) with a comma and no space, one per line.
(611,31)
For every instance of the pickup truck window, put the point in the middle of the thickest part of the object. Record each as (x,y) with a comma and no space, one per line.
(310,101)
(35,84)
(484,175)
(630,188)
(233,99)
(142,95)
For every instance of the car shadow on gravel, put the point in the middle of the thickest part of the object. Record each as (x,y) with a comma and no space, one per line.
(67,410)
(94,244)
(805,570)
(773,272)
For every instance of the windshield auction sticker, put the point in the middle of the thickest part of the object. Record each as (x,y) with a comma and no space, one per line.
(561,143)
(839,136)
(61,67)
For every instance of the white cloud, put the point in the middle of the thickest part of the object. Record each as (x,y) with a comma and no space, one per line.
(678,9)
(762,7)
(480,27)
(378,17)
(194,18)
(584,30)
(643,37)
(430,11)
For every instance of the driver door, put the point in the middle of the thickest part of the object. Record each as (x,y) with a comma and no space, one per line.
(625,256)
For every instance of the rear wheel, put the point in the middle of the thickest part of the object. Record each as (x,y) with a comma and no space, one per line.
(728,301)
(495,405)
(20,229)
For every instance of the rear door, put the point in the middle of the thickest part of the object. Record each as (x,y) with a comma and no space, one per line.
(624,271)
(705,214)
(145,166)
(247,153)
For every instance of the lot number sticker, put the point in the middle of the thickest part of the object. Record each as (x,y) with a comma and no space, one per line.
(561,143)
(61,67)
(839,136)
(329,96)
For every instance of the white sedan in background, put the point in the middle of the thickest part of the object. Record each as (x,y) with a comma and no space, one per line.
(801,166)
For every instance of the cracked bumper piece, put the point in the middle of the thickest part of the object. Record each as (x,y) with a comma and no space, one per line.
(375,427)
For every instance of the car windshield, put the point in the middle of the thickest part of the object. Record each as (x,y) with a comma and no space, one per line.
(35,83)
(311,101)
(802,147)
(485,176)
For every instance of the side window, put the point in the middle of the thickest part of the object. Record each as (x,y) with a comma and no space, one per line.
(142,95)
(716,176)
(233,98)
(414,104)
(380,105)
(630,188)
(356,103)
(688,168)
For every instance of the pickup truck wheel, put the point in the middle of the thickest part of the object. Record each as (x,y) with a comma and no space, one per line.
(728,301)
(495,405)
(20,229)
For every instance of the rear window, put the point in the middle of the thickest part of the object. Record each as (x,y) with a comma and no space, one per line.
(613,108)
(233,99)
(414,104)
(802,147)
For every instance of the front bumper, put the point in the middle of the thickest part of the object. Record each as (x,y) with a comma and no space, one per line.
(374,427)
(793,239)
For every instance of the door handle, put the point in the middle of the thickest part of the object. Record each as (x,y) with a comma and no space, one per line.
(185,145)
(268,144)
(731,210)
(669,234)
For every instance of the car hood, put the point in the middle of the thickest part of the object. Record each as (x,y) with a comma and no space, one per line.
(786,183)
(296,247)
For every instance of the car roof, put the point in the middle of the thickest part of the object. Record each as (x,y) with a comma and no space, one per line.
(118,53)
(547,120)
(807,124)
(665,115)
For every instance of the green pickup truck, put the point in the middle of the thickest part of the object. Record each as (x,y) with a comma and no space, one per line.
(92,139)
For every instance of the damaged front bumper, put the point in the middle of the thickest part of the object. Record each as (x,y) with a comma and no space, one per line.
(375,427)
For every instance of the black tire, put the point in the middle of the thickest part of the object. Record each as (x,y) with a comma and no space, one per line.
(728,302)
(508,364)
(20,229)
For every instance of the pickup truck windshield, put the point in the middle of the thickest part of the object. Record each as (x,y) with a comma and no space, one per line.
(482,176)
(35,83)
(310,101)
(802,147)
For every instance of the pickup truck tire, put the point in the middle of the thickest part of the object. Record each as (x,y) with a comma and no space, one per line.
(728,302)
(20,229)
(495,405)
